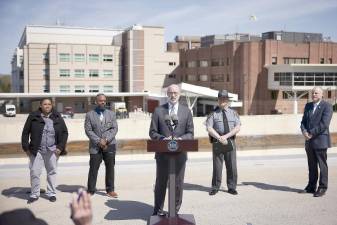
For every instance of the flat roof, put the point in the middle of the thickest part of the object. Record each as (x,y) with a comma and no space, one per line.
(50,95)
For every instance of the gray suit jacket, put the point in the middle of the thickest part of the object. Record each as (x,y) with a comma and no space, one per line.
(159,129)
(317,124)
(96,130)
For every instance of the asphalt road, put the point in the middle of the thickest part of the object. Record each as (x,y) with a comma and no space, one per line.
(267,186)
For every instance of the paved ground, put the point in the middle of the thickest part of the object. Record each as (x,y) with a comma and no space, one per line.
(268,186)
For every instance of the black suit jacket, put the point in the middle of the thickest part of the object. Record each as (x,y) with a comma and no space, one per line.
(159,129)
(317,124)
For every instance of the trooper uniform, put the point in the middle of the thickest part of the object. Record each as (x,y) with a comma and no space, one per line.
(223,121)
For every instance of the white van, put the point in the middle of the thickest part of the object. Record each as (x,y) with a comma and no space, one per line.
(10,110)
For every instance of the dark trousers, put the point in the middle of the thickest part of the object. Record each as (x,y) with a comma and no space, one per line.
(95,162)
(162,175)
(317,157)
(231,168)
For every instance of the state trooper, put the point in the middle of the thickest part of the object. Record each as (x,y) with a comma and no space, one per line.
(222,126)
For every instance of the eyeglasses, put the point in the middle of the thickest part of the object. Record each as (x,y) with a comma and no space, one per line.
(173,93)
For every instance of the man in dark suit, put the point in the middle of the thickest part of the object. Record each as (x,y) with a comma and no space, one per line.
(160,131)
(315,129)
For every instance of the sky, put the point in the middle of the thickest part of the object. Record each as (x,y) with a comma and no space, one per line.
(179,17)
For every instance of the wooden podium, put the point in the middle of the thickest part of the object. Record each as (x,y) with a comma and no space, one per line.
(172,146)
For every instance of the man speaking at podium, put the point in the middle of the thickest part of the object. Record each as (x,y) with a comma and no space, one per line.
(160,130)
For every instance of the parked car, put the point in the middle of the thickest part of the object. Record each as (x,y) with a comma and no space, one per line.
(10,110)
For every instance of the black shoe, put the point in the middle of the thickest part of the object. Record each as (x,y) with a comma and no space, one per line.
(232,192)
(213,192)
(320,192)
(31,200)
(307,190)
(52,199)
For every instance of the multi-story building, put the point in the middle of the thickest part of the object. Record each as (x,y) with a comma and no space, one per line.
(242,67)
(60,59)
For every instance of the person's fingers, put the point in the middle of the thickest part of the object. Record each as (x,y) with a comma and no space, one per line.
(73,205)
(86,200)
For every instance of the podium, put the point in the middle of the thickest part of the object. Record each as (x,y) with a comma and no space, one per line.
(171,147)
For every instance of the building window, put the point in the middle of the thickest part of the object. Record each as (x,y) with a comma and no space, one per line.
(93,58)
(172,63)
(203,77)
(93,73)
(171,76)
(45,72)
(217,78)
(191,77)
(321,61)
(45,88)
(64,57)
(79,88)
(227,77)
(329,94)
(274,60)
(288,60)
(79,73)
(93,88)
(64,73)
(79,57)
(107,88)
(285,95)
(21,74)
(330,60)
(203,63)
(45,57)
(107,73)
(107,58)
(191,64)
(299,79)
(217,62)
(274,95)
(227,61)
(64,88)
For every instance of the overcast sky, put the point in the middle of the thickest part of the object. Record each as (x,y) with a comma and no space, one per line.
(179,17)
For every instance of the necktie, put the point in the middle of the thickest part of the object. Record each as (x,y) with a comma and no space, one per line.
(225,122)
(172,110)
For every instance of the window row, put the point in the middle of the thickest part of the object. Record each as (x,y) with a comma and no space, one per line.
(205,77)
(82,73)
(306,79)
(83,88)
(79,57)
(205,63)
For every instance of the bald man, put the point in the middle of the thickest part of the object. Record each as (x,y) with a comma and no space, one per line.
(160,131)
(315,129)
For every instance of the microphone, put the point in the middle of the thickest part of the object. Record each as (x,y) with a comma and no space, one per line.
(167,119)
(174,119)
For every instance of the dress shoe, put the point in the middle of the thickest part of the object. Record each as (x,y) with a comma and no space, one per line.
(31,200)
(112,194)
(159,213)
(213,192)
(232,191)
(320,192)
(52,199)
(309,190)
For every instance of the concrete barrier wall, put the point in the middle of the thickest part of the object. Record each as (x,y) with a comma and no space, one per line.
(137,127)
